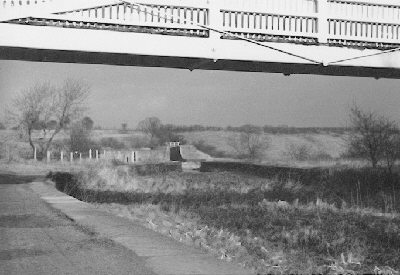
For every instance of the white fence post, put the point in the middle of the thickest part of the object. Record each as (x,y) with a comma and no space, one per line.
(48,156)
(90,154)
(97,155)
(80,157)
(35,154)
(62,156)
(71,157)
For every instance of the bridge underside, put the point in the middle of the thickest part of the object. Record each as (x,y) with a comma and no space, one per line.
(81,57)
(322,37)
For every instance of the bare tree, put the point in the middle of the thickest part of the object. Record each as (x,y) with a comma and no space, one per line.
(44,105)
(158,133)
(87,123)
(391,149)
(151,126)
(124,127)
(250,143)
(373,137)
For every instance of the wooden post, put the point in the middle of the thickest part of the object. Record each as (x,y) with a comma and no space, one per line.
(71,157)
(48,156)
(35,154)
(133,157)
(90,154)
(62,156)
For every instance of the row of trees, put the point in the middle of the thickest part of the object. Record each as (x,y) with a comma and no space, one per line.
(282,129)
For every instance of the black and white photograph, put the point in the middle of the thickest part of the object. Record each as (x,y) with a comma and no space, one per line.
(199,137)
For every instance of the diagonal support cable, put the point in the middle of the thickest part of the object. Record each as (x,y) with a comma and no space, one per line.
(363,56)
(252,41)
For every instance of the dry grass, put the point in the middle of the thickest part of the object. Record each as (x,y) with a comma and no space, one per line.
(248,220)
(331,145)
(305,239)
(31,167)
(123,179)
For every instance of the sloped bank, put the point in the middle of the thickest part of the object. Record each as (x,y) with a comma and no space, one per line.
(363,187)
(272,237)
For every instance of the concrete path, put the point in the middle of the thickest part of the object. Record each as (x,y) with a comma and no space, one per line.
(160,254)
(36,239)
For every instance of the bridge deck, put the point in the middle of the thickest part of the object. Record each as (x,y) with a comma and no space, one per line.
(335,37)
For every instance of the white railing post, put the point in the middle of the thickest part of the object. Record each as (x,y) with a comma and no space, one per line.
(215,21)
(322,27)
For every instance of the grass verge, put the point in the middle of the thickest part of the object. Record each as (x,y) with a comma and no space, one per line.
(270,226)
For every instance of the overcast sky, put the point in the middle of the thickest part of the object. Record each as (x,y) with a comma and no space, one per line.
(129,94)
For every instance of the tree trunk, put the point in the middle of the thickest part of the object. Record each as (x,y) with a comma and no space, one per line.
(47,146)
(31,141)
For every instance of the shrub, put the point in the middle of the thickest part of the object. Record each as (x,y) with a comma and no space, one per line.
(87,123)
(249,144)
(321,156)
(138,142)
(299,152)
(112,143)
(60,145)
(208,149)
(124,128)
(80,140)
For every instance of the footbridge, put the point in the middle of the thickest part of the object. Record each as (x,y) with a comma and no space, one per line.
(327,37)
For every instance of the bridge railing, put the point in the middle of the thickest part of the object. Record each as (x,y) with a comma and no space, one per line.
(271,20)
(21,3)
(359,23)
(163,15)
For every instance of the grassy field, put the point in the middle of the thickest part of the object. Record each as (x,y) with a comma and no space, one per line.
(322,149)
(265,225)
(323,146)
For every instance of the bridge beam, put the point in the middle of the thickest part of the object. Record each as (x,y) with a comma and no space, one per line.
(65,56)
